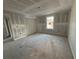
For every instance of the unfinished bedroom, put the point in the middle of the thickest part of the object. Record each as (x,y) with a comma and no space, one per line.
(39,29)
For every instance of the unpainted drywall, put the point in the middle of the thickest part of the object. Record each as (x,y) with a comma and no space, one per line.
(60,24)
(30,26)
(5,29)
(20,25)
(72,30)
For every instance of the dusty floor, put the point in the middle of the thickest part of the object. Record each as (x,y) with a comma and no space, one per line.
(38,46)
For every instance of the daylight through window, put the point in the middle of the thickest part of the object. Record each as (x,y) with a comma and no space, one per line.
(50,22)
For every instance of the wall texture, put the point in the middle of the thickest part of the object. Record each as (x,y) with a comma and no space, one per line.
(20,25)
(60,24)
(5,29)
(72,30)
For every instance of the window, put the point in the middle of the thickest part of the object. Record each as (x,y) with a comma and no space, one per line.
(50,22)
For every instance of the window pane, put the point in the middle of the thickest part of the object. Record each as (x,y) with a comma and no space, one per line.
(50,22)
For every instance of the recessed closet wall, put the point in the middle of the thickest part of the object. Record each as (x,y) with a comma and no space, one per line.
(20,25)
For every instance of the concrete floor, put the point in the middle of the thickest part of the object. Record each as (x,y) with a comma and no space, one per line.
(38,46)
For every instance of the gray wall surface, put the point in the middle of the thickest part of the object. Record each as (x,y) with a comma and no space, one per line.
(72,30)
(60,24)
(5,30)
(20,25)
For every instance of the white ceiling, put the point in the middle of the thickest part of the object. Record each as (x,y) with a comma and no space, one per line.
(36,7)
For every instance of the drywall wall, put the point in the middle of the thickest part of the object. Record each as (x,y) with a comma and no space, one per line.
(20,25)
(72,30)
(60,24)
(5,29)
(30,26)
